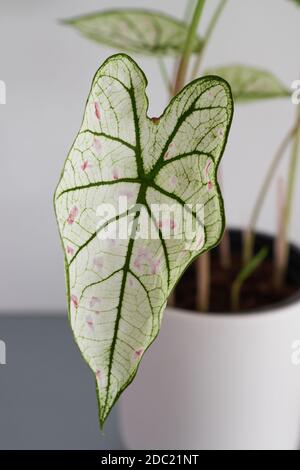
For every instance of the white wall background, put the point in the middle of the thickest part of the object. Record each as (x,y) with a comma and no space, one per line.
(48,70)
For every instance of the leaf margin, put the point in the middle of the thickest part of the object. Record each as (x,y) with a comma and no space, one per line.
(152,13)
(242,97)
(226,87)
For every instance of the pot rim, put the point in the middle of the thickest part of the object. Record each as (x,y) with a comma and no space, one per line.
(280,308)
(277,310)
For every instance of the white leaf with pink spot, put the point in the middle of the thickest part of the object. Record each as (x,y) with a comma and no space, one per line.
(118,287)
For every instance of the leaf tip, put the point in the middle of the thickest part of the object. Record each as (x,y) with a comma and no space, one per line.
(65,21)
(101,415)
(103,418)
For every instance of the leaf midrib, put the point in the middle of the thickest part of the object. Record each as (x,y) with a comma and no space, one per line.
(140,200)
(146,181)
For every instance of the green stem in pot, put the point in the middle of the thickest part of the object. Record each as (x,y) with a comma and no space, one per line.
(211,27)
(164,73)
(188,47)
(244,275)
(249,236)
(181,79)
(281,266)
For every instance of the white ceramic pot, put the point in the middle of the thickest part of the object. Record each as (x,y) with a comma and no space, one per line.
(218,382)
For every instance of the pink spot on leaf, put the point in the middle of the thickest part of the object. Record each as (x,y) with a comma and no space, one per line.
(90,322)
(172,224)
(126,193)
(97,110)
(207,168)
(167,223)
(209,186)
(142,252)
(72,215)
(144,257)
(137,355)
(74,300)
(154,267)
(70,250)
(94,301)
(98,374)
(85,165)
(97,144)
(100,378)
(115,174)
(155,120)
(137,264)
(169,153)
(200,242)
(98,262)
(173,180)
(141,256)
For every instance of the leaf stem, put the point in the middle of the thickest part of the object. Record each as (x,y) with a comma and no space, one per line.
(203,265)
(280,241)
(211,27)
(249,233)
(172,299)
(292,174)
(164,73)
(188,47)
(225,245)
(225,250)
(288,206)
(189,9)
(243,275)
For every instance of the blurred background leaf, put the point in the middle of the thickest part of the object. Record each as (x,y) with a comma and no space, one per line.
(249,83)
(135,31)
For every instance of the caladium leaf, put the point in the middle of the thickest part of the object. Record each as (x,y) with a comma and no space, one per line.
(249,83)
(118,287)
(136,31)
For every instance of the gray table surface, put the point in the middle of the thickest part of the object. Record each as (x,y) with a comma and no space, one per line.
(47,391)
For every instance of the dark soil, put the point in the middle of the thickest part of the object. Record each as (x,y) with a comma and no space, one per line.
(257,293)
